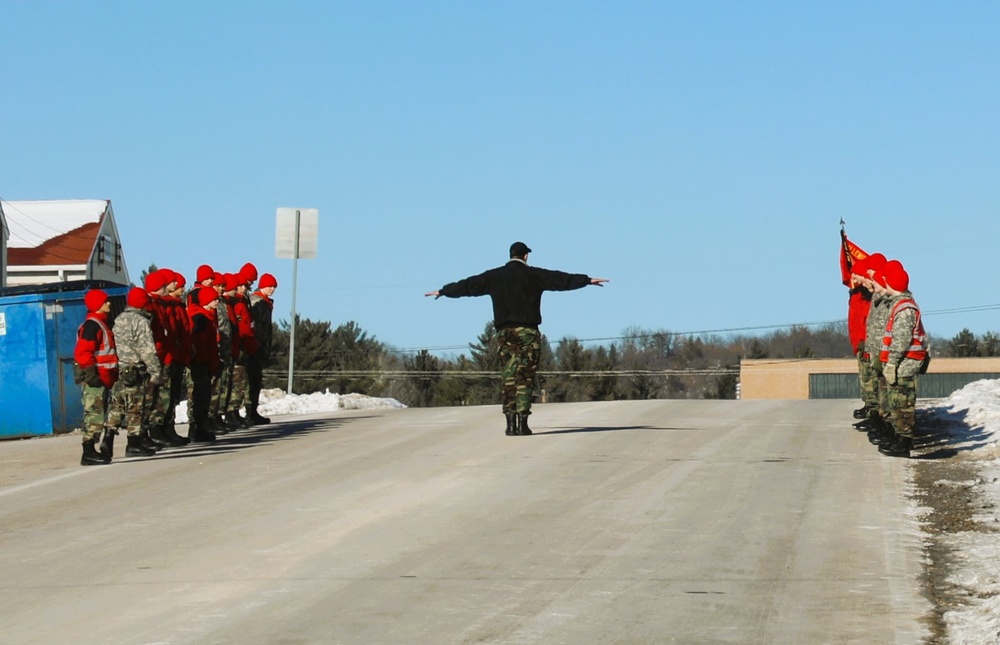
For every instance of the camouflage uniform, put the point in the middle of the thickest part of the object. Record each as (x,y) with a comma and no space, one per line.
(901,396)
(138,362)
(878,317)
(95,410)
(519,351)
(223,380)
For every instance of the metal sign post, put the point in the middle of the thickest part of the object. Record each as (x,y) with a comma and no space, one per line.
(295,238)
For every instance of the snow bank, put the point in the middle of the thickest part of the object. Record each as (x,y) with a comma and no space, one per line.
(275,402)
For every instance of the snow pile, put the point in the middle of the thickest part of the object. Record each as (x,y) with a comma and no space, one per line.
(970,418)
(275,402)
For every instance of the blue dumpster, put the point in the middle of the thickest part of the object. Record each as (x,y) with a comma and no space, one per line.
(38,327)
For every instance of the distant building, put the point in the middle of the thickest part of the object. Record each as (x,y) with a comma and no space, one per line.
(61,240)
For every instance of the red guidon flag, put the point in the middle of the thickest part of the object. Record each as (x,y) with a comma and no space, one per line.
(849,254)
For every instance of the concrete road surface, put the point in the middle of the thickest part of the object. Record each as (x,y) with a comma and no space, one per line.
(623,522)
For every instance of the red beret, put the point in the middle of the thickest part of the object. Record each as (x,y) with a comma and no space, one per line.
(204,272)
(137,297)
(95,299)
(894,276)
(267,280)
(875,262)
(207,295)
(248,273)
(233,281)
(179,279)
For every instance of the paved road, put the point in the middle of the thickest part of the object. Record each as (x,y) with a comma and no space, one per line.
(625,522)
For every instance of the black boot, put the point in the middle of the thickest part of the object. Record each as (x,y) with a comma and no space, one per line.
(171,436)
(861,413)
(881,433)
(146,440)
(522,424)
(511,424)
(899,447)
(107,447)
(135,448)
(199,433)
(232,423)
(216,425)
(157,437)
(90,455)
(255,418)
(865,425)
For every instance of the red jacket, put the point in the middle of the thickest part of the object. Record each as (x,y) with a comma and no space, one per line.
(858,306)
(161,329)
(179,329)
(204,337)
(244,341)
(95,346)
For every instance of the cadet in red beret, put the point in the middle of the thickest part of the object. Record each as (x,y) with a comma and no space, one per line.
(262,308)
(96,370)
(903,356)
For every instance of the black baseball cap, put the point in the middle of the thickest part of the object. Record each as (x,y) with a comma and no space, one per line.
(519,250)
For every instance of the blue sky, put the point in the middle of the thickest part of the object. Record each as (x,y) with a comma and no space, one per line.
(698,154)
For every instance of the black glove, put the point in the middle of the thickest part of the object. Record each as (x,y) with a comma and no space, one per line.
(91,377)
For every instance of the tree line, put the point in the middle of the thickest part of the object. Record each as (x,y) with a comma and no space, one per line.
(641,364)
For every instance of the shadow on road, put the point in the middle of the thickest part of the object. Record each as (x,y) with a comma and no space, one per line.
(942,434)
(574,430)
(243,439)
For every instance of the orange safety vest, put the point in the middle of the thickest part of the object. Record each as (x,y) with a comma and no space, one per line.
(918,342)
(106,355)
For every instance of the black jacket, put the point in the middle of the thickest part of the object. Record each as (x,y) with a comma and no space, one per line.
(516,290)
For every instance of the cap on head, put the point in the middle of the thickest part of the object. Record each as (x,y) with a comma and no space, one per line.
(95,299)
(207,295)
(233,281)
(137,297)
(156,280)
(267,280)
(248,273)
(519,250)
(860,267)
(875,262)
(204,272)
(179,279)
(894,276)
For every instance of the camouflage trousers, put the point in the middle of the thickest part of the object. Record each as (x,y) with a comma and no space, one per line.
(129,405)
(220,390)
(520,348)
(238,390)
(901,399)
(161,412)
(95,411)
(868,379)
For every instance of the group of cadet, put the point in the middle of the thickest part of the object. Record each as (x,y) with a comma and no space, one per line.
(208,345)
(888,338)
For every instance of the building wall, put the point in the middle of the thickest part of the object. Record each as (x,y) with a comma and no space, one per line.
(789,378)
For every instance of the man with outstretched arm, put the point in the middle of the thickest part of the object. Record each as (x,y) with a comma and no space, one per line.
(516,291)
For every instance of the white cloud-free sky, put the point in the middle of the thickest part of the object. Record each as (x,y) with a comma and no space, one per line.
(700,155)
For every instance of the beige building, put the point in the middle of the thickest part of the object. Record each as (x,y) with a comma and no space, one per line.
(838,378)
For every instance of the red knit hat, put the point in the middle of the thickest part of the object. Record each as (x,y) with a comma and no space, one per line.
(95,299)
(137,297)
(219,279)
(248,273)
(233,281)
(204,272)
(179,279)
(267,280)
(207,295)
(156,280)
(894,276)
(875,262)
(860,267)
